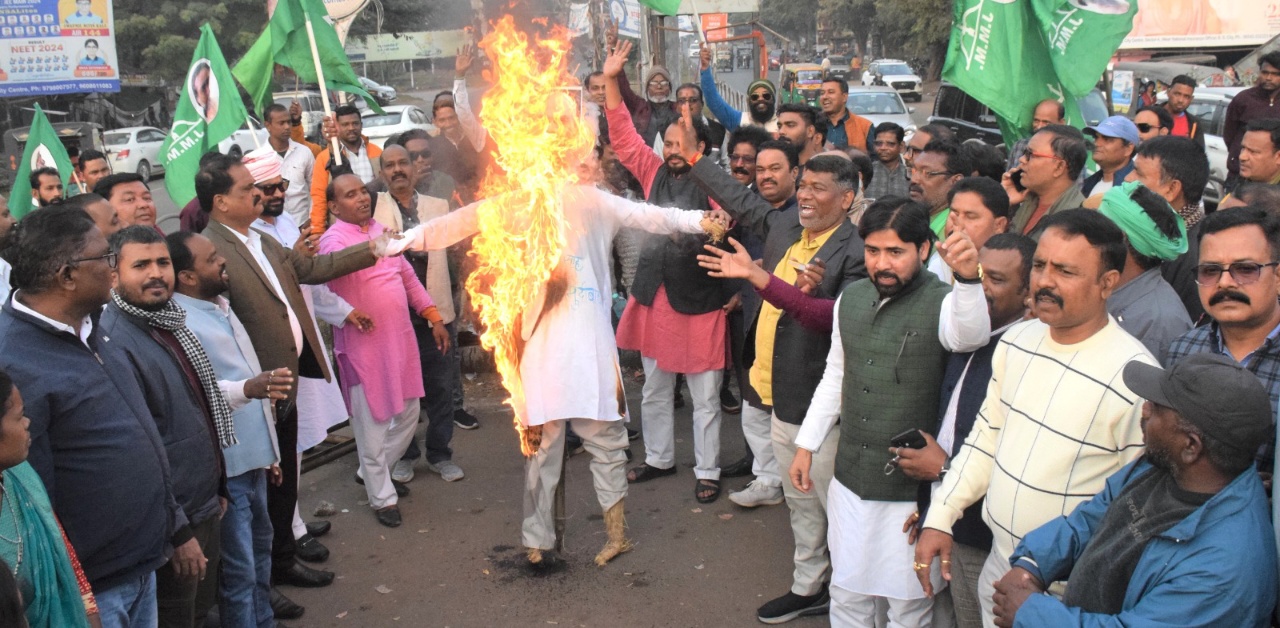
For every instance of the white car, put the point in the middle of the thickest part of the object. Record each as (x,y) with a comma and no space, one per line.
(134,149)
(242,142)
(384,94)
(396,120)
(896,74)
(881,104)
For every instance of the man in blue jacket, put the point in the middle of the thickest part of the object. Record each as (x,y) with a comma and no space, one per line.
(1181,536)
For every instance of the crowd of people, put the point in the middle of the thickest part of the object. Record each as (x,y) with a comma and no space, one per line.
(1047,396)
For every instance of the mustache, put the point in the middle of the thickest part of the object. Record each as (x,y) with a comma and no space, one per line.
(1048,294)
(740,171)
(764,181)
(915,188)
(885,274)
(155,283)
(1229,295)
(399,175)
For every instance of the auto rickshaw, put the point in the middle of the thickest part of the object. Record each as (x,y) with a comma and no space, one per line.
(801,83)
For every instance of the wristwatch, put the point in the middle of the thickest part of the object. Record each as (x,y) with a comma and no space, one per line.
(946,466)
(969,280)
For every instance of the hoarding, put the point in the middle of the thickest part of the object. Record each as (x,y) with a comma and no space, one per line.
(627,14)
(52,47)
(425,45)
(1200,23)
(713,24)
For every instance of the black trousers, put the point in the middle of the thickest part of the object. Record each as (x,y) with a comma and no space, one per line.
(283,499)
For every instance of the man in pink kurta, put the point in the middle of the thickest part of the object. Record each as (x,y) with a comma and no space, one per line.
(380,369)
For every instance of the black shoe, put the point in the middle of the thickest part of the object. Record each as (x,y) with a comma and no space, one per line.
(402,489)
(679,400)
(728,403)
(632,434)
(574,444)
(791,606)
(389,516)
(300,575)
(741,468)
(318,528)
(465,420)
(311,550)
(283,607)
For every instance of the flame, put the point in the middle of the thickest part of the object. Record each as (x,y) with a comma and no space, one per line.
(541,140)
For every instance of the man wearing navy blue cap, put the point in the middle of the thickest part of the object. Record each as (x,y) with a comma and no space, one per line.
(1181,536)
(1115,139)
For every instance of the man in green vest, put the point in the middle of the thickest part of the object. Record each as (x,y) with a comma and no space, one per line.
(883,379)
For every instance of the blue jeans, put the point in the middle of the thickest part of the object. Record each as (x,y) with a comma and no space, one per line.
(438,395)
(244,597)
(129,605)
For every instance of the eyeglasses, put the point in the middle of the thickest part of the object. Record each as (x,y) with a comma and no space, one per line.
(419,154)
(1143,127)
(1029,154)
(927,173)
(763,96)
(659,83)
(110,258)
(735,157)
(912,150)
(1244,273)
(271,188)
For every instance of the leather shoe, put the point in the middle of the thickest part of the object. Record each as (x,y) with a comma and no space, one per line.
(318,528)
(389,516)
(283,607)
(741,468)
(402,489)
(311,550)
(300,575)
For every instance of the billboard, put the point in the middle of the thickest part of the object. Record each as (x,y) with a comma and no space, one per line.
(1200,23)
(425,45)
(713,25)
(52,47)
(628,16)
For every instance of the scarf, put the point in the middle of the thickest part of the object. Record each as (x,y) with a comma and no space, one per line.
(57,601)
(1143,234)
(173,319)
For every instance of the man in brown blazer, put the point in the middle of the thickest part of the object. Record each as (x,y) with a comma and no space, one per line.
(264,294)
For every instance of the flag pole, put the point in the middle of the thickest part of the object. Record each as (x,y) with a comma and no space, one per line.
(257,143)
(697,19)
(335,152)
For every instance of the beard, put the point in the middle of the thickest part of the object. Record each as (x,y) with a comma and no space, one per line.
(272,208)
(761,111)
(892,289)
(660,100)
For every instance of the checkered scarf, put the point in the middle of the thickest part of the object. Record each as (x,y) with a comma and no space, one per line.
(173,319)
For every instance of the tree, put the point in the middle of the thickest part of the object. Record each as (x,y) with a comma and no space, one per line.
(793,18)
(856,16)
(157,38)
(915,28)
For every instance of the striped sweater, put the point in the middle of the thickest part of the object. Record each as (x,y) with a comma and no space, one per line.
(1056,422)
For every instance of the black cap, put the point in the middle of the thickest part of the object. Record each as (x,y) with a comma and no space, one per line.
(1212,392)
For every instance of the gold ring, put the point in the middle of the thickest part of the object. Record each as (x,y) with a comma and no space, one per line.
(921,566)
(946,562)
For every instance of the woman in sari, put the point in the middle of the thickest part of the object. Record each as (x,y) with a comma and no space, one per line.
(32,545)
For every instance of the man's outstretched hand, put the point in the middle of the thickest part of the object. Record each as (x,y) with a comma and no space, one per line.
(616,59)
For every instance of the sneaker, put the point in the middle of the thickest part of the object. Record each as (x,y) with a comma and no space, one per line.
(448,471)
(791,606)
(757,494)
(728,403)
(402,471)
(465,420)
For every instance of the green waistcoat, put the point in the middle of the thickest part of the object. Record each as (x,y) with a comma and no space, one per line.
(893,367)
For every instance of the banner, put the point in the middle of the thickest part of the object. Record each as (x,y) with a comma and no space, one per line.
(425,45)
(713,24)
(1202,23)
(579,21)
(1122,91)
(209,111)
(52,47)
(627,14)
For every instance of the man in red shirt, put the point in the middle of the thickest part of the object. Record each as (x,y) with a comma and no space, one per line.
(1181,91)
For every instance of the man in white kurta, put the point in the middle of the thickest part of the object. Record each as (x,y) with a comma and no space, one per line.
(569,366)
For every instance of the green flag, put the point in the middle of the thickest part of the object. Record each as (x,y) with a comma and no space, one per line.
(665,7)
(285,42)
(209,111)
(1011,56)
(43,149)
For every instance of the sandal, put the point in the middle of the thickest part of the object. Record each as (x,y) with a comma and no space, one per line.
(710,486)
(644,473)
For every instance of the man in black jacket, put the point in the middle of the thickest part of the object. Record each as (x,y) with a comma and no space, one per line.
(1181,91)
(189,409)
(93,441)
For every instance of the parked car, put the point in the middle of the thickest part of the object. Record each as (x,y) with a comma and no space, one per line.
(312,110)
(397,119)
(1210,105)
(242,141)
(971,119)
(802,83)
(384,94)
(135,149)
(881,104)
(836,66)
(897,74)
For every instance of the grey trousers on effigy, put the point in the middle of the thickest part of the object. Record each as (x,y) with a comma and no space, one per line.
(606,441)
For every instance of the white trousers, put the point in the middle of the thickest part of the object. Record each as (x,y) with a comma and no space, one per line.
(657,411)
(854,610)
(757,428)
(992,571)
(380,445)
(606,441)
(808,510)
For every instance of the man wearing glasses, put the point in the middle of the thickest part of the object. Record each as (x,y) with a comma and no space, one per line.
(761,107)
(1238,280)
(890,177)
(1044,182)
(1046,112)
(921,138)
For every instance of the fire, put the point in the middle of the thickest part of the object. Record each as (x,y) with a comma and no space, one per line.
(540,140)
